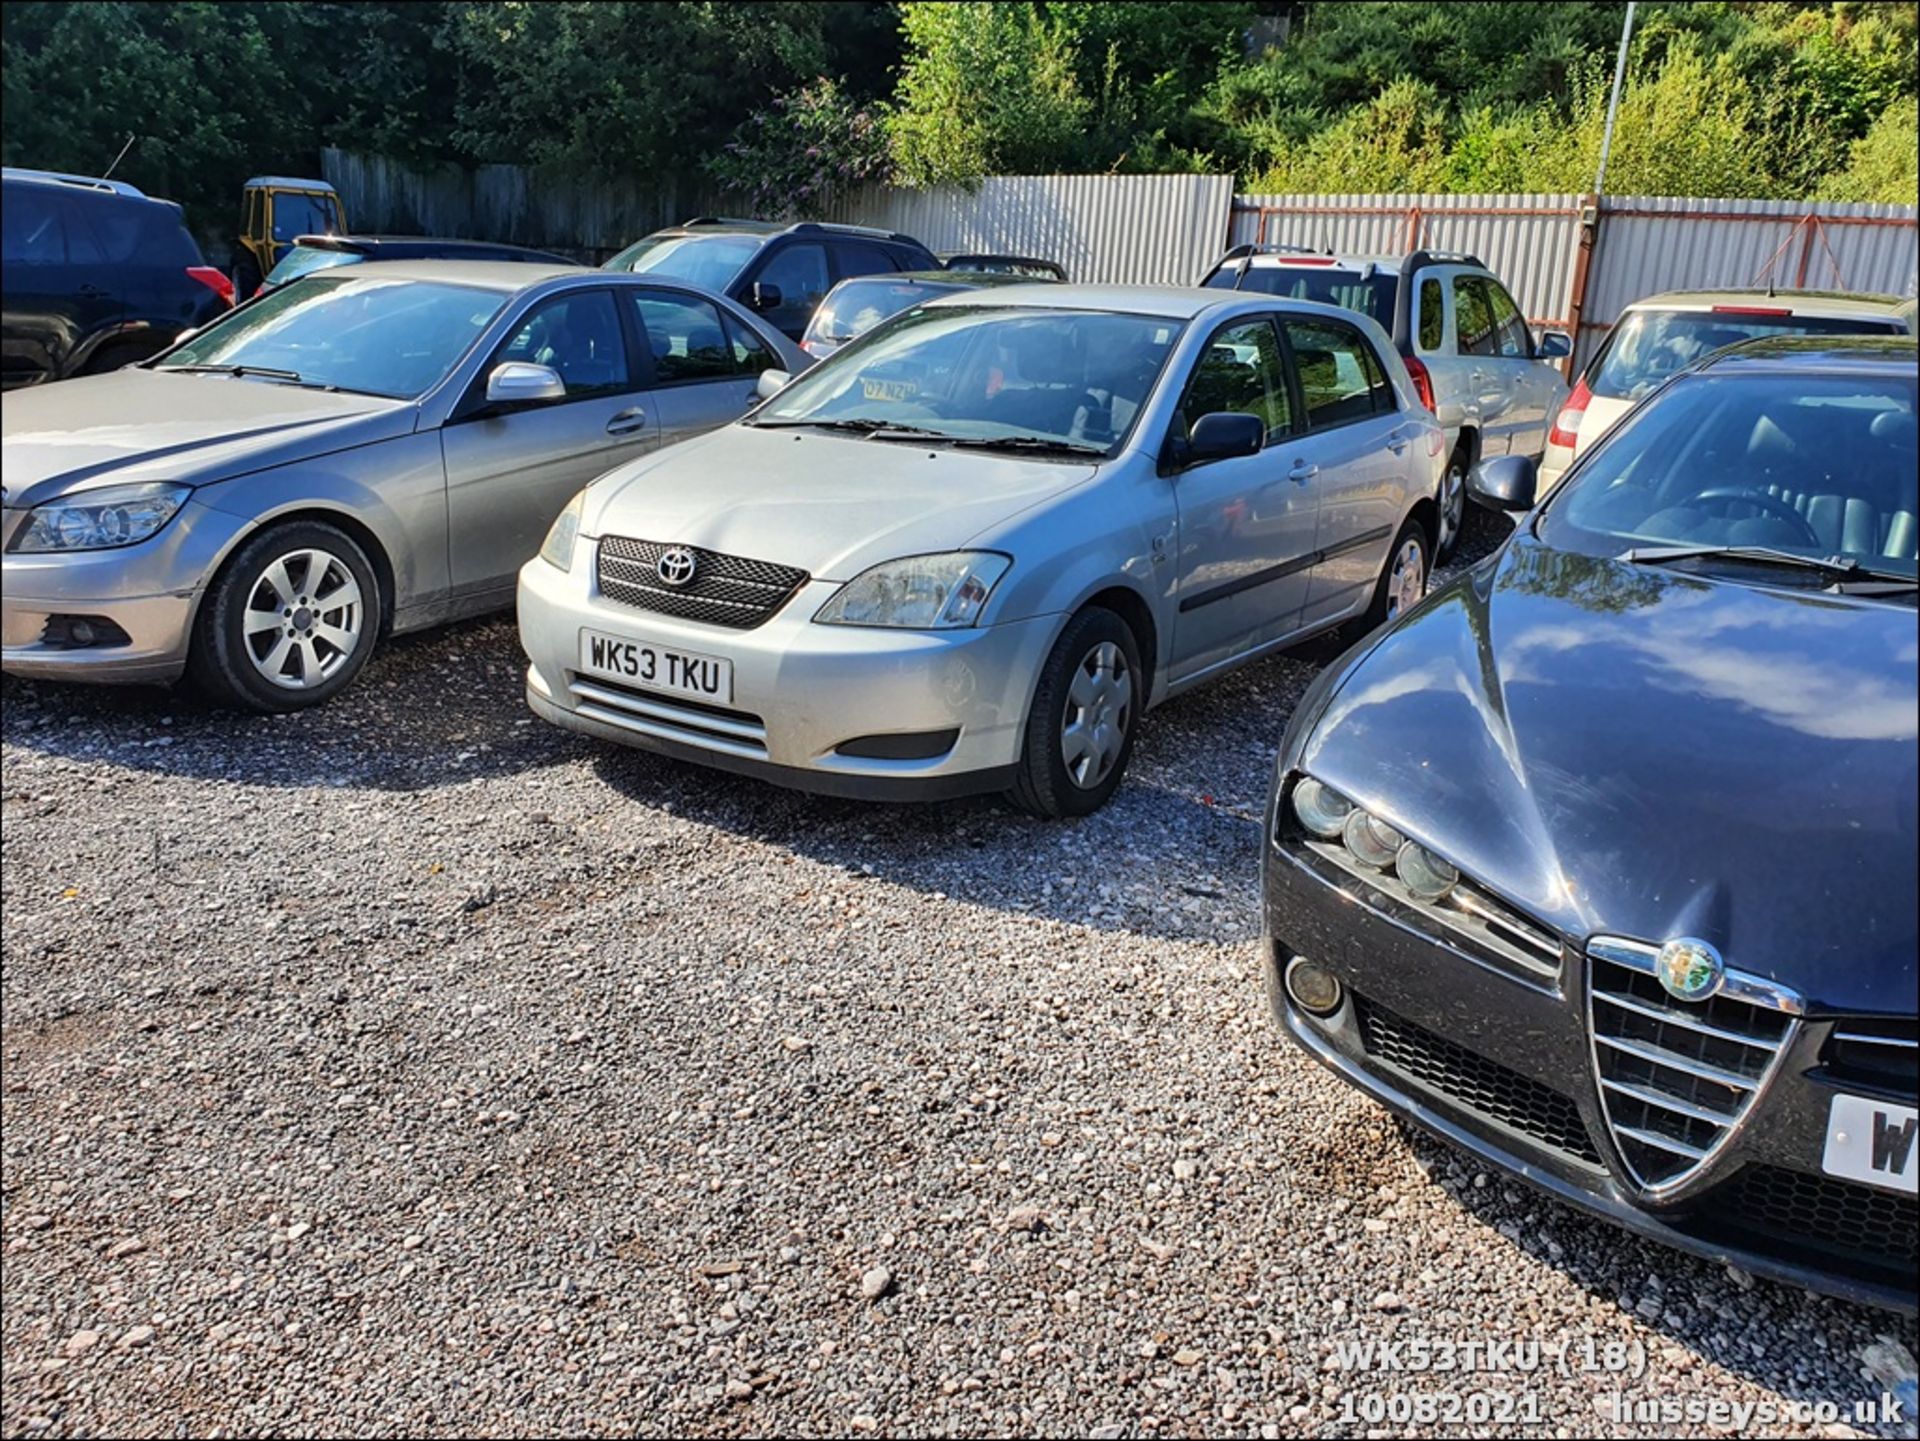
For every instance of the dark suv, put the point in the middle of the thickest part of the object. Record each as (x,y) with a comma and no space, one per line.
(96,275)
(781,271)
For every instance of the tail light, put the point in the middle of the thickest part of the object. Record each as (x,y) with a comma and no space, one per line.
(218,283)
(1566,425)
(1751,310)
(1422,382)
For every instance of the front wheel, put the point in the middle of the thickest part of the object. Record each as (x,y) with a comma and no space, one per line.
(1403,583)
(1085,711)
(290,622)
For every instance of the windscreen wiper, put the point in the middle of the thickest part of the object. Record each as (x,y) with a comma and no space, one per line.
(266,372)
(1841,568)
(856,424)
(1033,444)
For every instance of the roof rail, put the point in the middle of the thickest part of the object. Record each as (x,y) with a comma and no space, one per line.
(1245,252)
(1440,257)
(834,227)
(716,220)
(85,182)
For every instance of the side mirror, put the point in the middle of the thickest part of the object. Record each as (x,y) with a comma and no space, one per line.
(1507,482)
(520,382)
(763,296)
(1552,345)
(771,383)
(1225,434)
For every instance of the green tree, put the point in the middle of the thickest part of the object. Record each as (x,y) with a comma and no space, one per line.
(800,153)
(1883,164)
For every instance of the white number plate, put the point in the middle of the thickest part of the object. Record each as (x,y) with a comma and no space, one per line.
(641,663)
(1874,1142)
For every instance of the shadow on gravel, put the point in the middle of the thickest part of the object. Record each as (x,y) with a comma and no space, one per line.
(439,708)
(1696,1303)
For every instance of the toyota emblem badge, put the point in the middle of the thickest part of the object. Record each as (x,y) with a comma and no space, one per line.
(675,566)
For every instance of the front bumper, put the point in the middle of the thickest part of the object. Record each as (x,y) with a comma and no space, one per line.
(1499,1065)
(151,591)
(800,690)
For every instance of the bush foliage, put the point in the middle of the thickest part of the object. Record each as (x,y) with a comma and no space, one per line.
(784,102)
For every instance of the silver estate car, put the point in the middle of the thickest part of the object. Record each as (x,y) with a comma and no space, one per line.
(363,451)
(968,551)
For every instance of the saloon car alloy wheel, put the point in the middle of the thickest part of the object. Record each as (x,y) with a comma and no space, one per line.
(291,620)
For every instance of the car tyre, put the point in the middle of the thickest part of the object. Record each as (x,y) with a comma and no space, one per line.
(1453,504)
(1403,580)
(290,621)
(1085,713)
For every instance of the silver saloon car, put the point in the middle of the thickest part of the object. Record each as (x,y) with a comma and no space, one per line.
(969,550)
(364,451)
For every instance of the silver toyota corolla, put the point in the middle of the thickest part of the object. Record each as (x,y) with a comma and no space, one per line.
(364,451)
(967,552)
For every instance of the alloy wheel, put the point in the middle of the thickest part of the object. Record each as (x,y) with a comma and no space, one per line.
(1407,580)
(1453,505)
(304,618)
(1099,712)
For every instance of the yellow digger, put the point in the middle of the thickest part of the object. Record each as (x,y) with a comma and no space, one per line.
(275,211)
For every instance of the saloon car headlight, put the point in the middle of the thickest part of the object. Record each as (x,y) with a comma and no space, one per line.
(921,592)
(1321,809)
(1371,840)
(557,548)
(104,519)
(1423,873)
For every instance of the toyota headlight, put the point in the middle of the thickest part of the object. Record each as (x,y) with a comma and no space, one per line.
(103,519)
(557,548)
(921,592)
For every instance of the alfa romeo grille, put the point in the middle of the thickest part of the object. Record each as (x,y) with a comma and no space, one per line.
(1677,1076)
(727,590)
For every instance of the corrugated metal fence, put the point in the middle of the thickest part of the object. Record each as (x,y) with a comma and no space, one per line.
(1571,261)
(1111,229)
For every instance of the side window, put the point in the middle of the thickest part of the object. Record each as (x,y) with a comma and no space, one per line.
(858,258)
(1378,386)
(801,273)
(250,216)
(750,353)
(1433,315)
(30,225)
(1240,371)
(578,336)
(83,247)
(1473,316)
(1510,326)
(1332,362)
(685,337)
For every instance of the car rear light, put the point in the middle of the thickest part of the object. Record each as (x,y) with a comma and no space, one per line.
(1422,382)
(1311,260)
(1751,310)
(218,283)
(1566,425)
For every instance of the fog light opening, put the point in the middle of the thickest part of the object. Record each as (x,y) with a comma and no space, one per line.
(1313,987)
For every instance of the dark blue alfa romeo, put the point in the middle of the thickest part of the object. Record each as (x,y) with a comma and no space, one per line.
(1600,863)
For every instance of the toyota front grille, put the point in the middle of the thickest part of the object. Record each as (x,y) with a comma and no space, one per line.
(725,590)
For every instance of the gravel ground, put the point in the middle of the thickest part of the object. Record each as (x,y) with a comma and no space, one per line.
(411,1065)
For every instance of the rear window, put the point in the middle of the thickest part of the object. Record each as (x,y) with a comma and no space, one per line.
(708,261)
(1650,345)
(1372,295)
(857,306)
(305,259)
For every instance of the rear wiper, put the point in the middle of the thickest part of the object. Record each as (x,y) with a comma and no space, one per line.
(1841,568)
(1036,444)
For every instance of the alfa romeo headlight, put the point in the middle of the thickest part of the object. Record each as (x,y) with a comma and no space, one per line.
(1423,873)
(920,592)
(103,519)
(1371,840)
(1321,809)
(557,548)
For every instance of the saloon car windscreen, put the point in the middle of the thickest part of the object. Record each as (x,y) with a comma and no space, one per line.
(1814,465)
(379,337)
(1077,378)
(1650,345)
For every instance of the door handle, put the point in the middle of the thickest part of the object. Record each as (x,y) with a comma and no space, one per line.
(1397,445)
(627,421)
(1302,472)
(90,289)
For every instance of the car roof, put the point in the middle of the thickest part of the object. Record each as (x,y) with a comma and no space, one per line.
(1798,302)
(290,182)
(74,182)
(1816,352)
(951,279)
(402,242)
(1174,302)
